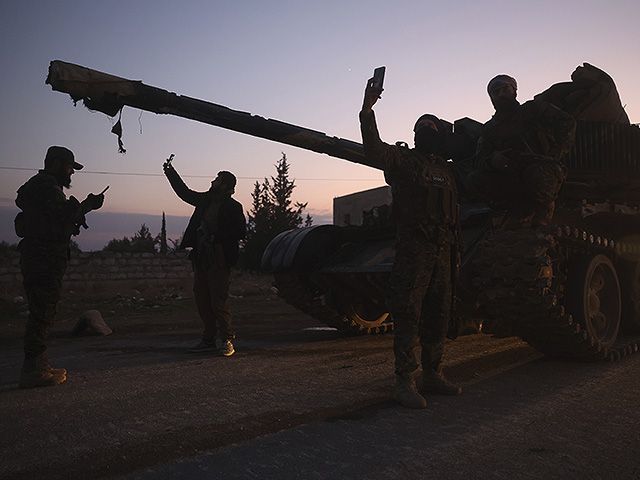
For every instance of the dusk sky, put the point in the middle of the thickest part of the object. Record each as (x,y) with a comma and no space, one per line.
(300,62)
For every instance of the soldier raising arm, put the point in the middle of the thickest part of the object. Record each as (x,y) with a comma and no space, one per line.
(425,209)
(213,232)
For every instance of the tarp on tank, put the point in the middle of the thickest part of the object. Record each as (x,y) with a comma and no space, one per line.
(590,96)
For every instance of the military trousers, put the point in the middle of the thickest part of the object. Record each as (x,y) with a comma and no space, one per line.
(419,298)
(211,291)
(42,271)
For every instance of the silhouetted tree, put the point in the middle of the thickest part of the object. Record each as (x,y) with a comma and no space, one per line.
(163,236)
(175,243)
(122,245)
(272,212)
(141,242)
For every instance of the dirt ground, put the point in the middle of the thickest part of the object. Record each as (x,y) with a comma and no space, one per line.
(136,399)
(124,303)
(136,307)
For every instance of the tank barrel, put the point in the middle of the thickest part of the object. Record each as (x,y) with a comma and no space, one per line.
(108,94)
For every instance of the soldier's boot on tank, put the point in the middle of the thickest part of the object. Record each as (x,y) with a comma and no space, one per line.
(407,391)
(543,215)
(50,369)
(433,381)
(35,374)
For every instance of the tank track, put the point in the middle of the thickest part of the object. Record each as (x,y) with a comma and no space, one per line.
(520,279)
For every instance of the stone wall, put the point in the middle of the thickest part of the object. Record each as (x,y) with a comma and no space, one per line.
(94,271)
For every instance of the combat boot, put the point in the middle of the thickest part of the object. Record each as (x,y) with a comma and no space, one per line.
(227,348)
(407,392)
(35,374)
(50,369)
(433,381)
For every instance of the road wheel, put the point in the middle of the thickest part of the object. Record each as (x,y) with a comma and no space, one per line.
(367,317)
(629,273)
(592,296)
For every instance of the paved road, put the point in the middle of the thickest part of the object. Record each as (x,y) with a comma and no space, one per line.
(538,421)
(300,402)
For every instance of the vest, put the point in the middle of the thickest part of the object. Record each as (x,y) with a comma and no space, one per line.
(427,196)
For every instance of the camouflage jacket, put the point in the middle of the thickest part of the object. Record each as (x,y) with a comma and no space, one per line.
(423,188)
(47,214)
(536,127)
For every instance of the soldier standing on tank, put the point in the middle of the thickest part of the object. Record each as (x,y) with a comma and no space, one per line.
(46,222)
(425,209)
(213,232)
(518,163)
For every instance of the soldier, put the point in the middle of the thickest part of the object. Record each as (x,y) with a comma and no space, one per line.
(425,209)
(518,163)
(213,232)
(46,223)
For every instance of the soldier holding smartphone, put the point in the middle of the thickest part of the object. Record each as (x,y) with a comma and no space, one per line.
(425,209)
(46,221)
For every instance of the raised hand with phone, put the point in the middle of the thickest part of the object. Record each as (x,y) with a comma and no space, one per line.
(428,241)
(374,89)
(167,164)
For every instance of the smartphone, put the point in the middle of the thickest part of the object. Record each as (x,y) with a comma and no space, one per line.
(378,76)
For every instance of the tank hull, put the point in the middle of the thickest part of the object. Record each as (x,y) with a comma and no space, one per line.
(530,283)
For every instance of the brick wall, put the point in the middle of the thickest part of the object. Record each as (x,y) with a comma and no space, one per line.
(87,270)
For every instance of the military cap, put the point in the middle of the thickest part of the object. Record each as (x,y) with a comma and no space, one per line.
(501,80)
(63,154)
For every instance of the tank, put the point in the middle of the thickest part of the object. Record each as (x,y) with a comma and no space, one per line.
(571,289)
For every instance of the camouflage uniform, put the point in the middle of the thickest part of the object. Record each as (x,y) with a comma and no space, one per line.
(425,209)
(47,221)
(535,129)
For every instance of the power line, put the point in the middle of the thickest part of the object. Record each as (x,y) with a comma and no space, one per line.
(133,174)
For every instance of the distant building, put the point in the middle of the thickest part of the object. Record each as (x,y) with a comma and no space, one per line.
(348,209)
